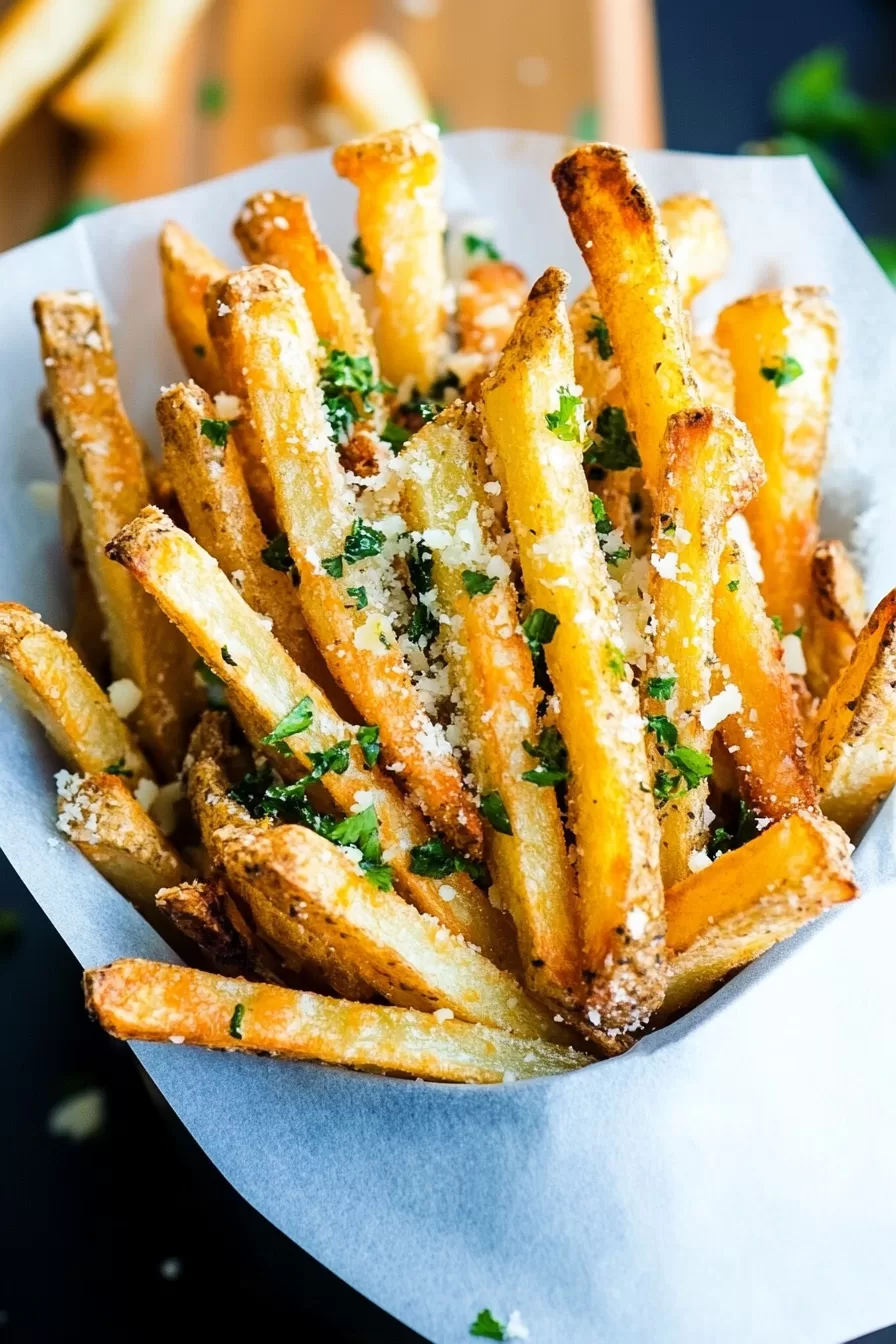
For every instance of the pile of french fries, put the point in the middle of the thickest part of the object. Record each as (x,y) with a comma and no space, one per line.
(481,691)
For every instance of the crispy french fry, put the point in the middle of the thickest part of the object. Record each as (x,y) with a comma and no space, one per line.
(280,230)
(200,911)
(87,629)
(835,618)
(152,1001)
(709,470)
(39,41)
(265,329)
(492,669)
(105,473)
(611,806)
(852,746)
(728,914)
(783,346)
(699,243)
(488,303)
(123,87)
(102,817)
(188,268)
(411,959)
(370,84)
(623,242)
(52,682)
(713,372)
(400,221)
(264,685)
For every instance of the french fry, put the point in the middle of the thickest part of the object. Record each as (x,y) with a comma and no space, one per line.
(411,959)
(54,685)
(713,372)
(103,819)
(152,1001)
(124,86)
(728,914)
(199,911)
(565,575)
(39,41)
(264,685)
(188,269)
(370,84)
(279,230)
(852,746)
(87,630)
(400,221)
(783,347)
(763,734)
(835,617)
(491,667)
(208,478)
(261,323)
(105,472)
(709,470)
(623,242)
(488,303)
(699,242)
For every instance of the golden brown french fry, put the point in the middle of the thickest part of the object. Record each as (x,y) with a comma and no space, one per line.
(836,615)
(152,1001)
(852,746)
(261,324)
(565,575)
(699,243)
(709,470)
(763,733)
(489,299)
(280,230)
(713,372)
(401,221)
(39,41)
(52,682)
(105,473)
(123,87)
(87,631)
(728,914)
(491,668)
(188,268)
(619,233)
(783,346)
(370,84)
(104,820)
(264,685)
(412,960)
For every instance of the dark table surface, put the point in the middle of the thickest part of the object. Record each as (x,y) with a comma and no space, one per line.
(131,1234)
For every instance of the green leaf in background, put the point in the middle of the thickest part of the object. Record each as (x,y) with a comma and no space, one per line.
(586,123)
(66,214)
(441,117)
(884,252)
(813,99)
(211,98)
(789,142)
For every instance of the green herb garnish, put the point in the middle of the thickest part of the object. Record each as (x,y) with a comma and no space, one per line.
(358,257)
(539,628)
(211,97)
(664,728)
(215,431)
(486,1326)
(332,566)
(553,759)
(600,333)
(615,661)
(781,370)
(297,720)
(437,859)
(362,541)
(565,422)
(360,596)
(614,448)
(276,556)
(348,382)
(369,742)
(661,688)
(723,840)
(693,766)
(236,1022)
(473,245)
(226,655)
(602,522)
(395,435)
(335,759)
(118,768)
(476,583)
(778,624)
(491,807)
(733,585)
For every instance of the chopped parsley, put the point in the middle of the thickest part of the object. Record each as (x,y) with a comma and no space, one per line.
(347,382)
(553,760)
(722,840)
(215,688)
(693,765)
(437,859)
(600,333)
(476,583)
(614,448)
(539,628)
(733,585)
(615,661)
(487,1326)
(781,370)
(666,786)
(211,97)
(813,98)
(360,596)
(369,742)
(661,688)
(424,624)
(778,624)
(332,566)
(335,759)
(276,556)
(491,807)
(602,522)
(358,257)
(236,1022)
(361,829)
(664,728)
(226,655)
(215,431)
(473,245)
(565,422)
(395,435)
(117,768)
(297,720)
(362,541)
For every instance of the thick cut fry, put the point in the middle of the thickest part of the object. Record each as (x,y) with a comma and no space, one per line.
(699,243)
(52,682)
(124,87)
(836,615)
(188,268)
(623,242)
(105,472)
(611,807)
(410,958)
(280,230)
(208,478)
(728,914)
(87,630)
(200,911)
(488,303)
(103,818)
(401,222)
(763,732)
(491,668)
(152,1001)
(852,749)
(264,685)
(266,330)
(371,85)
(710,470)
(783,346)
(39,41)
(713,372)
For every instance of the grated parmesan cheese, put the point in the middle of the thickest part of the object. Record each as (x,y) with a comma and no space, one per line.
(728,701)
(124,696)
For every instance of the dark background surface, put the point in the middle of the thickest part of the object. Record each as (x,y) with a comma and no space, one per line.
(85,1227)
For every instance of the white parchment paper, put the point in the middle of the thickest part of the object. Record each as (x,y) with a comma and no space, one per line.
(734,1178)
